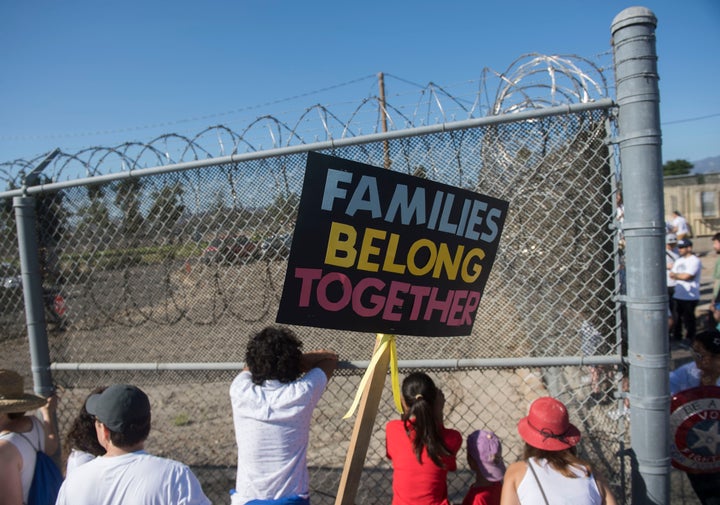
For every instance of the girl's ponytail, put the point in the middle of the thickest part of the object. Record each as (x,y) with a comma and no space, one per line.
(420,395)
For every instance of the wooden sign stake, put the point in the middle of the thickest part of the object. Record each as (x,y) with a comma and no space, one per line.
(362,431)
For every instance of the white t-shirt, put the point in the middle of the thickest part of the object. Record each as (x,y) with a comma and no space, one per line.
(28,451)
(670,258)
(560,490)
(272,428)
(685,377)
(137,478)
(75,459)
(687,290)
(680,225)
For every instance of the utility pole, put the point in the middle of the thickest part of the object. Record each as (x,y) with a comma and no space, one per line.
(383,118)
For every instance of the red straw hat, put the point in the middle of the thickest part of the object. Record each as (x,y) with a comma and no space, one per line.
(547,426)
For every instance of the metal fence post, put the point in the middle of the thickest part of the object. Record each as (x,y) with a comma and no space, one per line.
(636,78)
(32,292)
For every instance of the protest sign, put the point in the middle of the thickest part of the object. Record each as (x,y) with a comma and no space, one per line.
(385,252)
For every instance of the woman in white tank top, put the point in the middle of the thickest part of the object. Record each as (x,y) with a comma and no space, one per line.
(551,472)
(21,435)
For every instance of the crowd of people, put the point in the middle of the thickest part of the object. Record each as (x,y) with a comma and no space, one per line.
(272,403)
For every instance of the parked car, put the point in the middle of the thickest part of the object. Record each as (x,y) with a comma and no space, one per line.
(276,247)
(230,249)
(11,296)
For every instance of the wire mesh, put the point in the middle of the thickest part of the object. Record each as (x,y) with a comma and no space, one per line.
(197,259)
(184,266)
(531,81)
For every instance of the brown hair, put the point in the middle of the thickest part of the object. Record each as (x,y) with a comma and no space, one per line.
(82,434)
(560,460)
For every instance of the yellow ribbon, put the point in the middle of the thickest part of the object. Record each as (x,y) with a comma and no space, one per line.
(384,343)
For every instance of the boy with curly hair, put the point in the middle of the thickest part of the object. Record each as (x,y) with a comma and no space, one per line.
(273,399)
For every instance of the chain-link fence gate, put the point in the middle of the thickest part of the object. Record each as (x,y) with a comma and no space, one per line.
(181,267)
(158,277)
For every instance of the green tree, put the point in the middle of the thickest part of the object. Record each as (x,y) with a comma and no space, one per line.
(51,224)
(95,217)
(677,167)
(217,212)
(282,211)
(8,228)
(127,199)
(167,208)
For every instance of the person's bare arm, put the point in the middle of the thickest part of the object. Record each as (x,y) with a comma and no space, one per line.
(681,277)
(48,412)
(10,468)
(607,496)
(323,359)
(511,481)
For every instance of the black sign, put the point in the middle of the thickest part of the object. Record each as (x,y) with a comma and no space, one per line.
(379,251)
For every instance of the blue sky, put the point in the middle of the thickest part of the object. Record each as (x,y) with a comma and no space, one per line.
(76,74)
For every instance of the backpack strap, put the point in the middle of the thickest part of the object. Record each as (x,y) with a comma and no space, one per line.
(28,441)
(38,428)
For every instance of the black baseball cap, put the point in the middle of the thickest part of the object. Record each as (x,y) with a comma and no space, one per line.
(710,339)
(119,406)
(684,243)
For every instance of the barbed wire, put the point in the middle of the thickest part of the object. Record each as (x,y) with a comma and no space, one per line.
(532,81)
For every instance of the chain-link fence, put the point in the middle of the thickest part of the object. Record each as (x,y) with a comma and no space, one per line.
(180,267)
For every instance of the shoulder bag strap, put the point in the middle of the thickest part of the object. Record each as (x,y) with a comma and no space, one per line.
(542,491)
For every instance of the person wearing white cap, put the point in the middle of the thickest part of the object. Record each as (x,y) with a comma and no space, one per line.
(550,471)
(21,436)
(686,271)
(680,226)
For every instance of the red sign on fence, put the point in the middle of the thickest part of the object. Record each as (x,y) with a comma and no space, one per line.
(380,251)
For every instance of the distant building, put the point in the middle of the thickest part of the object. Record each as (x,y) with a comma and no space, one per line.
(697,198)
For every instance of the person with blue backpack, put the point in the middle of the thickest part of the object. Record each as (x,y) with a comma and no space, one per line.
(22,436)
